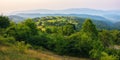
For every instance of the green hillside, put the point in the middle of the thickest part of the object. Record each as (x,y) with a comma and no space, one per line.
(77,21)
(58,38)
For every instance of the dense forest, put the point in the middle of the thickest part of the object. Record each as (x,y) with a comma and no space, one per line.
(62,35)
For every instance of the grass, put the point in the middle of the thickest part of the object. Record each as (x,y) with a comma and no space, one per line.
(8,53)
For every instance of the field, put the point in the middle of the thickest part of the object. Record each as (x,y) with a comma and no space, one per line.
(8,53)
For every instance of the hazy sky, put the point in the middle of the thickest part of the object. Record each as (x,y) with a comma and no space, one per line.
(17,5)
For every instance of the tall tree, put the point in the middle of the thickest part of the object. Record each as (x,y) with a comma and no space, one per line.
(4,22)
(89,38)
(89,30)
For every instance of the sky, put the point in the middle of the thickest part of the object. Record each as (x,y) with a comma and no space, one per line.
(20,5)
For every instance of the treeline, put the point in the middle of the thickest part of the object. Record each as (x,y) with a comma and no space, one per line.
(65,39)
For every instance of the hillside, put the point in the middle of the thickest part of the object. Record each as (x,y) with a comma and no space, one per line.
(58,38)
(100,22)
(111,15)
(8,53)
(117,25)
(77,21)
(16,18)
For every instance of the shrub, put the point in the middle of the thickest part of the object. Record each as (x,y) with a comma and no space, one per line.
(7,40)
(105,56)
(21,47)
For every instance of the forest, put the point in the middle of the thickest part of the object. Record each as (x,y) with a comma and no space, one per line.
(62,35)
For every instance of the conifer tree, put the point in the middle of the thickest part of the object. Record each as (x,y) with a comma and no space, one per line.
(89,30)
(4,22)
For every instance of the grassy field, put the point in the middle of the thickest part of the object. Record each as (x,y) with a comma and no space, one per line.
(8,53)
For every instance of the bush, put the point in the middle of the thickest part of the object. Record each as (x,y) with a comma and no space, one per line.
(113,52)
(21,47)
(7,40)
(38,40)
(105,56)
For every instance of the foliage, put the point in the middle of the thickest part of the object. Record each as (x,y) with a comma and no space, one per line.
(116,36)
(31,24)
(38,40)
(98,47)
(4,22)
(6,40)
(68,29)
(23,30)
(105,56)
(89,30)
(62,35)
(21,47)
(106,38)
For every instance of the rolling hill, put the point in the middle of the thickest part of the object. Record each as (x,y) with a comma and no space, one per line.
(110,15)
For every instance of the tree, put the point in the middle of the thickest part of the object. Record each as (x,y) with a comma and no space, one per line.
(38,40)
(98,47)
(77,46)
(22,32)
(106,38)
(31,24)
(116,36)
(89,30)
(4,22)
(68,29)
(89,42)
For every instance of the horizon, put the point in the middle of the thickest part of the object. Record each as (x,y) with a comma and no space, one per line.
(7,6)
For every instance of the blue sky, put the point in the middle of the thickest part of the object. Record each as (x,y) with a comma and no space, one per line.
(17,5)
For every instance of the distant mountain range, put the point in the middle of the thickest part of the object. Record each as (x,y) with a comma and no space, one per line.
(16,18)
(110,16)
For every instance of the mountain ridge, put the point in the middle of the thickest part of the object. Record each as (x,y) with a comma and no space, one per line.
(111,15)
